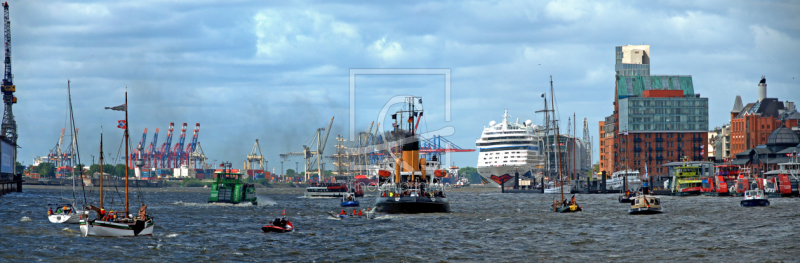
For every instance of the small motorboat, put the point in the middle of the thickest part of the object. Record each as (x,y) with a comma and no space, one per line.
(369,214)
(645,205)
(349,200)
(65,213)
(755,198)
(280,227)
(627,197)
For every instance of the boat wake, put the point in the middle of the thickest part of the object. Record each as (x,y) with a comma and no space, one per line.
(171,235)
(25,219)
(69,230)
(265,201)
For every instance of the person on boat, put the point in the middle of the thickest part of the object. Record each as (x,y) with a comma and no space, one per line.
(283,222)
(354,212)
(65,210)
(50,211)
(277,222)
(343,213)
(143,212)
(58,210)
(360,214)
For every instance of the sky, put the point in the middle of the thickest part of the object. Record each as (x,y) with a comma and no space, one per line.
(276,72)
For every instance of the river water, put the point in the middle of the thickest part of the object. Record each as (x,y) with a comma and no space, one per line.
(484,226)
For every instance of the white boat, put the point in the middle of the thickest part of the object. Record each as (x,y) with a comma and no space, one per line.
(116,229)
(755,198)
(507,148)
(552,188)
(111,224)
(645,205)
(618,179)
(70,214)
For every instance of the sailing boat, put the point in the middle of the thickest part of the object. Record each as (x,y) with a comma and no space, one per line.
(561,206)
(109,224)
(68,214)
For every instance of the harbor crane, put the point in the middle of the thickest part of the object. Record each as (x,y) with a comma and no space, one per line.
(198,156)
(256,157)
(9,127)
(313,156)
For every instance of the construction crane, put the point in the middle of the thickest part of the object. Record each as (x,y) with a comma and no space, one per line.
(150,152)
(256,157)
(309,154)
(9,127)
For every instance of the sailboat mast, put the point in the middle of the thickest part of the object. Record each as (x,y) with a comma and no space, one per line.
(558,150)
(126,153)
(72,130)
(101,166)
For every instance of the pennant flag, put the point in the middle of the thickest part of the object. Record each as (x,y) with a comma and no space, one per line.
(122,124)
(123,107)
(284,212)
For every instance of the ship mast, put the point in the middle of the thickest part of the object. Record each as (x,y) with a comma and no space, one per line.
(101,166)
(558,150)
(126,153)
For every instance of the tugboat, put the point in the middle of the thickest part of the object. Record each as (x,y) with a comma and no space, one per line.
(645,205)
(755,198)
(406,184)
(229,188)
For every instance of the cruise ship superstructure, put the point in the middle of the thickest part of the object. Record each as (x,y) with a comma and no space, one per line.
(507,148)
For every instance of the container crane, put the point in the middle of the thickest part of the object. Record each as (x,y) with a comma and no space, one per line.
(177,154)
(256,157)
(309,154)
(164,150)
(150,152)
(191,146)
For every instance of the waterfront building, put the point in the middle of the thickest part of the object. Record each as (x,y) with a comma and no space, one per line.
(752,124)
(657,119)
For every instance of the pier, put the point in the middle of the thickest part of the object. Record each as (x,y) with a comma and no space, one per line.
(10,184)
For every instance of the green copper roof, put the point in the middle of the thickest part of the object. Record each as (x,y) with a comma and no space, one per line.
(629,86)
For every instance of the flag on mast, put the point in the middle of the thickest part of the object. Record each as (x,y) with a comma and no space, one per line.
(122,124)
(123,107)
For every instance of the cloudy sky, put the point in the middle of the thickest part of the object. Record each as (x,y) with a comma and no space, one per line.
(247,70)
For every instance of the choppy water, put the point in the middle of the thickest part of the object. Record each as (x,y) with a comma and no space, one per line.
(484,226)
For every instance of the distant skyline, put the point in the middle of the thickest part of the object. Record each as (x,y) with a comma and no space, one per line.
(247,70)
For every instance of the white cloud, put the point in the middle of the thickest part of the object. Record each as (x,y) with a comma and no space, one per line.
(388,51)
(566,10)
(285,34)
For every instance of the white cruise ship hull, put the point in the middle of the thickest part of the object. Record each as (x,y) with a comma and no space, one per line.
(493,175)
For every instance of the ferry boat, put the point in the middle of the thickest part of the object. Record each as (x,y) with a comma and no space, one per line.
(755,198)
(686,180)
(332,190)
(645,205)
(229,188)
(408,183)
(617,181)
(509,147)
(555,188)
(745,181)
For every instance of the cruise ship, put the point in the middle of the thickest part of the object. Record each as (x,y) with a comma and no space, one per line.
(507,148)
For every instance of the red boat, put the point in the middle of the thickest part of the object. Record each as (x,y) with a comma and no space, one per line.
(717,185)
(280,228)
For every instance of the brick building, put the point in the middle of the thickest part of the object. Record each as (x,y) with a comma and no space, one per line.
(657,119)
(752,124)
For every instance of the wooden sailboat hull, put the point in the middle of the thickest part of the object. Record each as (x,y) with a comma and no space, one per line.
(114,229)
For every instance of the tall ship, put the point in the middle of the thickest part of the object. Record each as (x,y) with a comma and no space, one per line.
(508,148)
(408,183)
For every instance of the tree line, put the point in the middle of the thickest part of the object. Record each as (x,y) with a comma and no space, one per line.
(48,170)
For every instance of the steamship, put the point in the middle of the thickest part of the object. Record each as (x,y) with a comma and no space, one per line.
(408,183)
